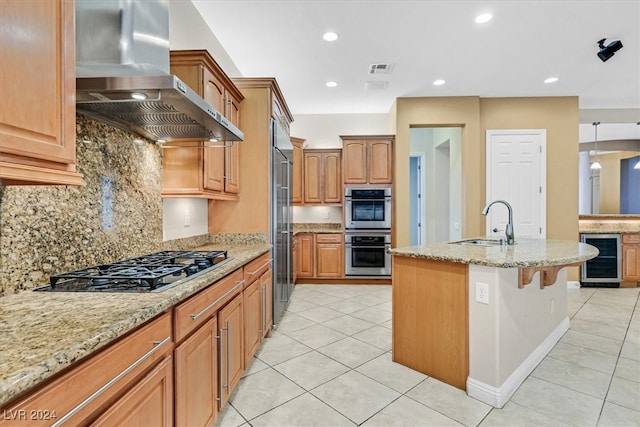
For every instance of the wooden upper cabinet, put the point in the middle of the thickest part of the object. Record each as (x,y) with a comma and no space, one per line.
(322,177)
(355,162)
(368,159)
(296,194)
(37,86)
(331,179)
(211,173)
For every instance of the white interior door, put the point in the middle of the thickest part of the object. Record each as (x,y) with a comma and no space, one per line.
(516,173)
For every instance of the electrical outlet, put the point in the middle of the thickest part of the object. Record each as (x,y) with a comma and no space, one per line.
(482,292)
(327,213)
(551,306)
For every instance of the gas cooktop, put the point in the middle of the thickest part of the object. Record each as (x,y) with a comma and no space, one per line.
(148,273)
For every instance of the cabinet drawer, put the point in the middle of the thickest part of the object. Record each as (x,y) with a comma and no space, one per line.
(329,238)
(255,268)
(196,310)
(79,393)
(631,238)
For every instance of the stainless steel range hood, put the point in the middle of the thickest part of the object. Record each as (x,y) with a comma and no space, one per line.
(122,74)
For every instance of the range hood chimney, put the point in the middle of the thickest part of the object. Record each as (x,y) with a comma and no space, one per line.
(122,74)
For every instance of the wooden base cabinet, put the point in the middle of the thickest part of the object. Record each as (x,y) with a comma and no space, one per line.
(149,403)
(37,83)
(306,255)
(329,256)
(630,259)
(320,255)
(230,331)
(257,300)
(197,388)
(137,362)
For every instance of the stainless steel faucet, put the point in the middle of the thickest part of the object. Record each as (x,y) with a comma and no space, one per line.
(509,230)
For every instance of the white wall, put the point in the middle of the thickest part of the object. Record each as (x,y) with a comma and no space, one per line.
(317,214)
(324,130)
(184,217)
(188,30)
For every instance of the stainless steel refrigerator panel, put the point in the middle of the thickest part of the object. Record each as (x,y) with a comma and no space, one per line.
(281,176)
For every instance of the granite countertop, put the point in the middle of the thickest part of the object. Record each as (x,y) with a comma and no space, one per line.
(525,253)
(42,333)
(317,228)
(604,224)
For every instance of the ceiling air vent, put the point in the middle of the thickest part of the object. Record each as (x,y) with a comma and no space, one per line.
(380,68)
(375,85)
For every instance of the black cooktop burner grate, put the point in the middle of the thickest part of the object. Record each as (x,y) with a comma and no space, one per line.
(139,274)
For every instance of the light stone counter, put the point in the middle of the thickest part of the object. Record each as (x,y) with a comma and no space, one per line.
(525,253)
(316,228)
(605,224)
(41,333)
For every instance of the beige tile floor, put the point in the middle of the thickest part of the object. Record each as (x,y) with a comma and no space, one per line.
(329,364)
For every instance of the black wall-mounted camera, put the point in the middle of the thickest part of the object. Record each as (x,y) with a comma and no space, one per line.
(609,50)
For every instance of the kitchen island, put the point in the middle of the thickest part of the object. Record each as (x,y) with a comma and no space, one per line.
(481,318)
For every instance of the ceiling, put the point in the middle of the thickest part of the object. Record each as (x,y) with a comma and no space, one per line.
(511,55)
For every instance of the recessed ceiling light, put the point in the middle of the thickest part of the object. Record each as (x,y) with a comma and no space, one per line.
(439,82)
(485,17)
(330,36)
(551,80)
(331,84)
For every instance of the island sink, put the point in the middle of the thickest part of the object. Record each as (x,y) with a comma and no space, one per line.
(481,242)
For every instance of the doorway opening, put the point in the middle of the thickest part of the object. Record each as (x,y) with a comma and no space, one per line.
(416,218)
(436,192)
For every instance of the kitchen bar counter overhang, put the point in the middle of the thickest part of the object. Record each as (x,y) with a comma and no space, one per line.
(42,333)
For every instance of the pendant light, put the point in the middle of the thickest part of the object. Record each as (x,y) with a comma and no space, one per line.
(596,164)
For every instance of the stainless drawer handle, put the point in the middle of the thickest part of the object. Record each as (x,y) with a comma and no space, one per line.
(156,346)
(207,308)
(261,267)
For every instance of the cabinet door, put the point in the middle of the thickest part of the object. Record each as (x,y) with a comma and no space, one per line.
(296,197)
(231,347)
(196,385)
(306,262)
(332,182)
(329,255)
(214,158)
(631,262)
(37,83)
(295,258)
(355,161)
(252,306)
(312,177)
(149,402)
(267,307)
(380,161)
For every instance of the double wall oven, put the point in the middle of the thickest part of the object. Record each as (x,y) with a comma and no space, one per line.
(367,232)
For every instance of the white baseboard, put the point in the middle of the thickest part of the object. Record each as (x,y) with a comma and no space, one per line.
(573,284)
(498,396)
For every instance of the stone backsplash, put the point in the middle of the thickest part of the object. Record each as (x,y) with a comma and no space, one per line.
(117,213)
